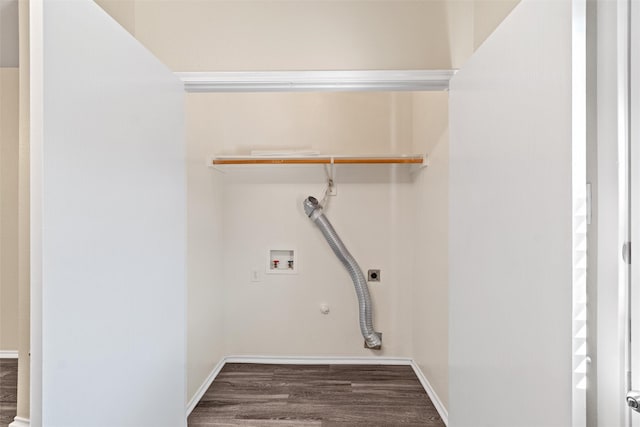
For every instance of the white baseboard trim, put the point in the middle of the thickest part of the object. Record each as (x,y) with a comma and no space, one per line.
(205,386)
(444,414)
(8,354)
(319,360)
(20,422)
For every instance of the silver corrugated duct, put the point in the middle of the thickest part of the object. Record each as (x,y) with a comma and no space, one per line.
(314,210)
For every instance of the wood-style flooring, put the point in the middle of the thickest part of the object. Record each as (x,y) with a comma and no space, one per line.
(315,395)
(8,390)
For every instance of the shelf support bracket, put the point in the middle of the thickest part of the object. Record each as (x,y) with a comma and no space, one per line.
(418,167)
(329,170)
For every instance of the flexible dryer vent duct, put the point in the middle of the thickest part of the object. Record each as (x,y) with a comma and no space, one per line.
(314,210)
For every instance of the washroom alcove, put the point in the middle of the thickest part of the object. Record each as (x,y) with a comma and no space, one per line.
(238,209)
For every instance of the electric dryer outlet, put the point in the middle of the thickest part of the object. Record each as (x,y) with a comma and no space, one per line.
(373,276)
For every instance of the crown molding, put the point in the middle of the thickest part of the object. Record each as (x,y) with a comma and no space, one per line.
(316,81)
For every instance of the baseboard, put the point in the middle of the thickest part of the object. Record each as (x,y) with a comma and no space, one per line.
(205,386)
(8,354)
(431,393)
(20,422)
(319,360)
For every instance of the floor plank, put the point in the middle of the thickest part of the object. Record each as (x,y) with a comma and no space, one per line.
(8,390)
(264,395)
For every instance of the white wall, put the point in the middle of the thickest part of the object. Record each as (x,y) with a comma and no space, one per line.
(110,190)
(511,226)
(205,291)
(9,105)
(611,285)
(430,304)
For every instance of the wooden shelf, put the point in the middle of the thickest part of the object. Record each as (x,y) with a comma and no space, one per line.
(319,160)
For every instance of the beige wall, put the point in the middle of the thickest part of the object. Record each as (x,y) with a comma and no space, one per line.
(487,15)
(311,34)
(24,264)
(193,35)
(335,123)
(8,33)
(235,216)
(388,220)
(262,208)
(122,11)
(9,208)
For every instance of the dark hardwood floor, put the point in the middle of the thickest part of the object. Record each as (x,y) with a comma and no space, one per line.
(315,395)
(8,390)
